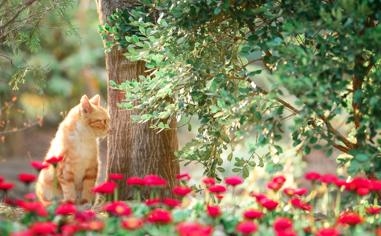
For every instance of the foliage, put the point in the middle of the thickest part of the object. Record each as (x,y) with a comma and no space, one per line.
(231,207)
(243,68)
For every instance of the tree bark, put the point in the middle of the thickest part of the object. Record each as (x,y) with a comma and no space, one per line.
(134,149)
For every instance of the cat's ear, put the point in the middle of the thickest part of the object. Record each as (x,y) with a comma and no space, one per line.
(85,104)
(96,100)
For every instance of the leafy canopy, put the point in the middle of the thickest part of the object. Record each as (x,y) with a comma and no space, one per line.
(245,68)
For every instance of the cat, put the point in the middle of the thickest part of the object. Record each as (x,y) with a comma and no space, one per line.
(76,141)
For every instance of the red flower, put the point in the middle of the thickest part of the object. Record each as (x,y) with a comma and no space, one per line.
(38,165)
(152,201)
(181,190)
(27,178)
(376,185)
(115,176)
(282,224)
(184,177)
(54,160)
(209,181)
(87,215)
(43,228)
(280,179)
(362,191)
(312,176)
(328,178)
(30,196)
(373,210)
(171,202)
(217,189)
(268,204)
(134,180)
(340,182)
(289,191)
(69,229)
(1,178)
(159,216)
(233,180)
(154,181)
(258,196)
(246,227)
(213,211)
(193,229)
(251,214)
(6,186)
(328,232)
(66,209)
(105,188)
(349,218)
(33,207)
(301,191)
(298,203)
(274,186)
(94,225)
(132,223)
(118,208)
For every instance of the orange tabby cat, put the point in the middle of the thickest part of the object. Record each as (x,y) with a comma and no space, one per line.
(75,141)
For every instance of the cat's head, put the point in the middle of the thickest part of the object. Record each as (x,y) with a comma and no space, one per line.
(94,115)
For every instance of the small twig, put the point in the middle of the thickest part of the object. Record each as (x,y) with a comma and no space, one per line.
(7,57)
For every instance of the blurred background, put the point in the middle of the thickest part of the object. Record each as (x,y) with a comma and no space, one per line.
(38,85)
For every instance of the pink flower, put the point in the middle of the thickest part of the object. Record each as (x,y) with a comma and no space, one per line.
(159,216)
(233,180)
(87,215)
(251,214)
(66,209)
(54,160)
(134,180)
(282,224)
(328,232)
(105,188)
(274,186)
(38,165)
(184,177)
(349,218)
(213,211)
(171,202)
(154,181)
(115,176)
(117,208)
(43,228)
(193,229)
(181,190)
(246,227)
(268,204)
(132,223)
(217,189)
(27,178)
(373,210)
(208,181)
(312,176)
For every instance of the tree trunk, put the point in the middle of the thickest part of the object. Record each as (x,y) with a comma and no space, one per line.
(133,149)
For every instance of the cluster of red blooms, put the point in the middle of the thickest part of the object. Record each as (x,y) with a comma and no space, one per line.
(159,210)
